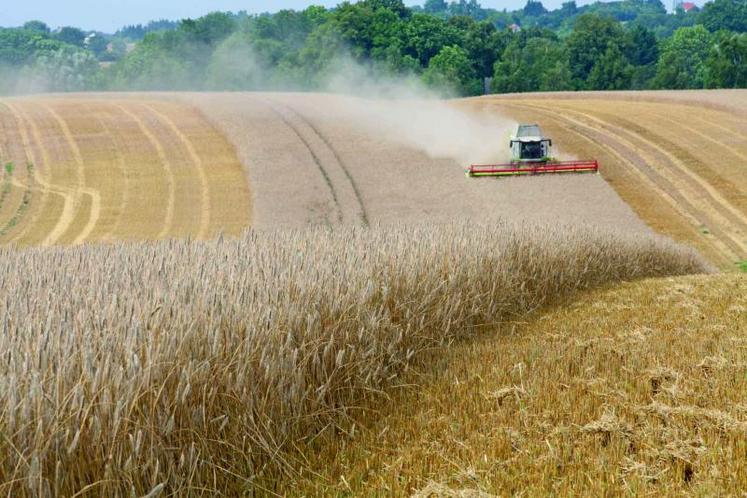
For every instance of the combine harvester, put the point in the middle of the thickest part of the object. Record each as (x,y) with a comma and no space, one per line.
(530,155)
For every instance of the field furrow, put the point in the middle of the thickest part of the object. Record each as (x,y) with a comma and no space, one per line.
(690,147)
(295,124)
(53,218)
(167,175)
(105,169)
(203,204)
(715,211)
(354,209)
(89,197)
(630,171)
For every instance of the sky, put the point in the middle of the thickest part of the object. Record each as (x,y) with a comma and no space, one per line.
(110,15)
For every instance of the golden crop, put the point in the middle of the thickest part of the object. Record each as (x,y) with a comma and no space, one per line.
(196,367)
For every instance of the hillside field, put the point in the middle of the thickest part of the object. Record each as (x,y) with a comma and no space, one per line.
(82,170)
(389,325)
(150,166)
(637,389)
(679,159)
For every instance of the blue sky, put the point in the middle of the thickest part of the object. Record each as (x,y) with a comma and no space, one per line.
(108,15)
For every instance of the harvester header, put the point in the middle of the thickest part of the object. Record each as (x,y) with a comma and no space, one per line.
(531,155)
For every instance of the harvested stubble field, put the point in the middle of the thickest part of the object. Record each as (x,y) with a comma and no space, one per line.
(637,390)
(331,159)
(112,169)
(135,166)
(678,158)
(201,367)
(251,364)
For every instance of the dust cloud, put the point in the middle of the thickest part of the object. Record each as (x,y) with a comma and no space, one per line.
(403,110)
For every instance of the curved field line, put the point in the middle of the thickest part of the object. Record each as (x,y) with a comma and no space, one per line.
(640,133)
(25,143)
(94,194)
(168,168)
(727,244)
(31,188)
(714,204)
(68,210)
(721,127)
(695,131)
(730,189)
(362,214)
(125,183)
(199,165)
(313,155)
(650,177)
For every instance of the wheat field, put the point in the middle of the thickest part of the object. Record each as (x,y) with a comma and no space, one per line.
(634,390)
(279,359)
(81,169)
(676,157)
(147,166)
(199,367)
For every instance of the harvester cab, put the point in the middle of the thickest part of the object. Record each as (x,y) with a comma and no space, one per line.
(528,145)
(531,154)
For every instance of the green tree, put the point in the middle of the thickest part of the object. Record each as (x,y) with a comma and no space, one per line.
(98,45)
(424,36)
(70,35)
(484,44)
(37,26)
(366,28)
(535,64)
(611,72)
(726,65)
(235,66)
(681,64)
(435,6)
(451,69)
(593,38)
(643,54)
(724,14)
(644,48)
(210,29)
(155,65)
(469,8)
(67,69)
(534,8)
(396,6)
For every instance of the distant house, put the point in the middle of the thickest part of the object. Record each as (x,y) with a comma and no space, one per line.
(515,28)
(688,6)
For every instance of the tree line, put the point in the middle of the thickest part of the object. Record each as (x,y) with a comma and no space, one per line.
(459,46)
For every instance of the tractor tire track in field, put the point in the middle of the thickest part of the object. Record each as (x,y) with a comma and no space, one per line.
(110,169)
(723,145)
(198,165)
(662,176)
(362,214)
(343,189)
(167,167)
(95,209)
(125,186)
(283,116)
(18,147)
(681,168)
(687,166)
(650,176)
(44,162)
